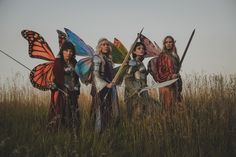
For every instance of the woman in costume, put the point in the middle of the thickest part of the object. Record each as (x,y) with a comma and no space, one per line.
(104,93)
(136,79)
(65,90)
(167,68)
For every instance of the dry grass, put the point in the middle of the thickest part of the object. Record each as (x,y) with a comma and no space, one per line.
(206,126)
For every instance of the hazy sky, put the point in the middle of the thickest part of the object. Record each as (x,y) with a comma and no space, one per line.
(211,51)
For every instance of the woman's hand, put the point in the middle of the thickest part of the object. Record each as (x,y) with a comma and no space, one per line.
(174,76)
(109,85)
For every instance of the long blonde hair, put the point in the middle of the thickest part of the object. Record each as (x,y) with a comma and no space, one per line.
(100,41)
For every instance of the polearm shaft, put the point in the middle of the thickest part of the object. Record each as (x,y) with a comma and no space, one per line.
(186,49)
(27,68)
(15,60)
(126,58)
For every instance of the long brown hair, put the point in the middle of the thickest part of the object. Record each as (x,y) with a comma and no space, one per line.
(164,41)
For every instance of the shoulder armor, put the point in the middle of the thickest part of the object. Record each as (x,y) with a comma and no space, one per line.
(97,59)
(132,62)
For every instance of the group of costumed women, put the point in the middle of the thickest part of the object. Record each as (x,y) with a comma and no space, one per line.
(65,81)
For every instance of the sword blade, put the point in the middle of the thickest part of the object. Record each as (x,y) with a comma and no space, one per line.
(159,85)
(186,49)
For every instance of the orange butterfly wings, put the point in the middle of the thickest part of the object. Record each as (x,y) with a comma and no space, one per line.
(41,76)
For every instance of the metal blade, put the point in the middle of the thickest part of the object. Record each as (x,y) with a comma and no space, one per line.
(159,85)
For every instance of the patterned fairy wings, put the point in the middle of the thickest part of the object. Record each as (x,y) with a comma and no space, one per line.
(154,52)
(84,66)
(41,76)
(82,49)
(62,37)
(118,51)
(151,49)
(38,47)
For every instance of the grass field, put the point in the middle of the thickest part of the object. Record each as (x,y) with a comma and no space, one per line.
(206,126)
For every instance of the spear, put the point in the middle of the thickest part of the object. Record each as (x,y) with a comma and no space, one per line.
(15,60)
(126,58)
(27,68)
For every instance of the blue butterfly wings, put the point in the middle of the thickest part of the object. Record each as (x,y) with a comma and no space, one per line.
(82,49)
(83,68)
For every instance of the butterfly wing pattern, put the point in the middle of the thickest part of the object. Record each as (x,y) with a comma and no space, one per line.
(152,54)
(82,49)
(62,37)
(151,49)
(83,68)
(118,51)
(41,76)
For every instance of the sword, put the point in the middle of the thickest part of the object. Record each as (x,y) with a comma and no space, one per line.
(186,49)
(156,85)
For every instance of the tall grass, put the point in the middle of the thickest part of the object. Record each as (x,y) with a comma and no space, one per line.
(205,127)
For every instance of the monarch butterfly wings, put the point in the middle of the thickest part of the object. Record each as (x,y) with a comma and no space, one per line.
(38,47)
(41,76)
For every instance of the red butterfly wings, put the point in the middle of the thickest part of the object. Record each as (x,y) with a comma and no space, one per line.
(151,49)
(41,76)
